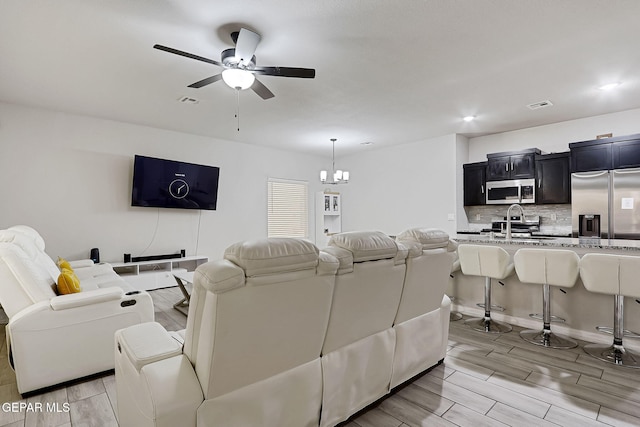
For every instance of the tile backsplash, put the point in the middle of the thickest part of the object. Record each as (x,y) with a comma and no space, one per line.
(552,217)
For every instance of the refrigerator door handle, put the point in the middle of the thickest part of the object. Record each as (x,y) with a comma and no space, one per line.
(625,171)
(590,174)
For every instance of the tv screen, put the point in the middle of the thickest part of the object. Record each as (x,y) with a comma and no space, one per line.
(163,183)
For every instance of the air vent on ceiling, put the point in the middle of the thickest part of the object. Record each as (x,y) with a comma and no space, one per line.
(541,104)
(188,100)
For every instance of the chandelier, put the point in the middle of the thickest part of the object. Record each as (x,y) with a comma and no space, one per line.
(339,176)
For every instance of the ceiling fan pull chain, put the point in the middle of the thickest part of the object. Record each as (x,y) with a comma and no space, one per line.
(238,108)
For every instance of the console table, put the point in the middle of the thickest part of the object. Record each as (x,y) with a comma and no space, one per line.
(149,275)
(182,279)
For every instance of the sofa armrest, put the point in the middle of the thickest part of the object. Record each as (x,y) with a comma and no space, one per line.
(164,393)
(146,343)
(64,302)
(81,263)
(53,346)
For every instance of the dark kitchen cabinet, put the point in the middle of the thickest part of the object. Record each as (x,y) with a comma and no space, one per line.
(618,152)
(591,156)
(553,178)
(511,165)
(626,154)
(474,180)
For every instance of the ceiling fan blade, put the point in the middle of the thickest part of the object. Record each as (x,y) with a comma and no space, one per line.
(304,73)
(246,45)
(186,54)
(206,81)
(261,90)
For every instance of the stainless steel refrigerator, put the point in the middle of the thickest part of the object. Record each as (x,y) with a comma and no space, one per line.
(606,204)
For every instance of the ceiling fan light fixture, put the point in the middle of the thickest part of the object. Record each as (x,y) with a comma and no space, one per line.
(237,78)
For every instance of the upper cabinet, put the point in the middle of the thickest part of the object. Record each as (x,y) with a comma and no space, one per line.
(511,165)
(626,154)
(474,175)
(553,178)
(605,154)
(590,156)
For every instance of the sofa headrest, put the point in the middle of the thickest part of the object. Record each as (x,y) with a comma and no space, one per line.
(26,230)
(23,241)
(273,255)
(429,238)
(366,245)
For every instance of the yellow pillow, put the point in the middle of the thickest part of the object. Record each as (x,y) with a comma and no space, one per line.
(68,282)
(63,263)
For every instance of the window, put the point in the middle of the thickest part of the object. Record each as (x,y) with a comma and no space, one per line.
(288,210)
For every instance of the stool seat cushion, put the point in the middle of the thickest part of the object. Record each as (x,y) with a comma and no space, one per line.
(555,267)
(611,274)
(486,261)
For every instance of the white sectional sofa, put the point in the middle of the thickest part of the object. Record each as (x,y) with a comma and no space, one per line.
(282,334)
(56,338)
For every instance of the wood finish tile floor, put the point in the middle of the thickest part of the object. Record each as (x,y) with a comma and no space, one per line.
(486,380)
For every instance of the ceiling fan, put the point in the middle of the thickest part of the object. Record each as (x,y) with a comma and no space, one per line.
(240,67)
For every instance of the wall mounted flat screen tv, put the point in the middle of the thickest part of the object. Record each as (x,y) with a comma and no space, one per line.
(164,183)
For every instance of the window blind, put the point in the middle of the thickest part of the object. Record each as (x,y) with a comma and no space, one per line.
(288,210)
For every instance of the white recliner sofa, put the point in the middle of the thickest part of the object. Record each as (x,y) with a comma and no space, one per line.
(281,334)
(251,356)
(57,338)
(420,345)
(358,351)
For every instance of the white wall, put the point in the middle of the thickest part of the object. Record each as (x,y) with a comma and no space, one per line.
(70,176)
(395,188)
(555,137)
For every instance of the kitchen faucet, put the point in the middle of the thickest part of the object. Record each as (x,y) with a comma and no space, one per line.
(515,205)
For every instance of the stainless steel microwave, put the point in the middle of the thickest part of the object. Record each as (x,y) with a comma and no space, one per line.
(511,191)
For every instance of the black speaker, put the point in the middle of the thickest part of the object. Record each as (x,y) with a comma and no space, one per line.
(95,255)
(127,257)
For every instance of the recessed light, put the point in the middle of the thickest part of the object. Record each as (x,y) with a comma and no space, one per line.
(609,86)
(469,118)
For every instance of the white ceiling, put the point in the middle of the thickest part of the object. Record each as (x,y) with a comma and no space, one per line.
(387,72)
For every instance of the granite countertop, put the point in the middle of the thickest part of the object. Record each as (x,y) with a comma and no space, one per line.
(564,242)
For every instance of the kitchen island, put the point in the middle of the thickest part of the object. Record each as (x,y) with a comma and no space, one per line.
(582,310)
(580,245)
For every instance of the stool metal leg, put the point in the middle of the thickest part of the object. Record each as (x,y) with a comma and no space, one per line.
(615,353)
(486,323)
(545,337)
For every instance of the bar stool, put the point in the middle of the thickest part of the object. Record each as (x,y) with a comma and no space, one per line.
(615,275)
(547,267)
(491,262)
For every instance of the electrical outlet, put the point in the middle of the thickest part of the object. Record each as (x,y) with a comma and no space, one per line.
(553,217)
(451,217)
(478,217)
